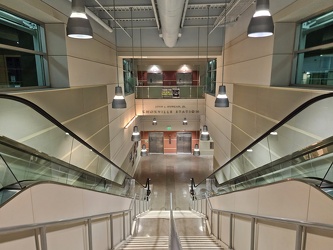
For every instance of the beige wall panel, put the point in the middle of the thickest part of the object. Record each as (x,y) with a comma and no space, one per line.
(240,140)
(15,213)
(221,157)
(274,236)
(100,140)
(55,38)
(247,202)
(225,228)
(94,51)
(101,235)
(66,202)
(281,70)
(58,71)
(273,200)
(84,72)
(255,71)
(225,113)
(223,202)
(320,207)
(318,239)
(25,240)
(242,233)
(69,237)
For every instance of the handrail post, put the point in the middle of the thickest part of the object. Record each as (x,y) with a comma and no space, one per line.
(43,240)
(299,232)
(231,231)
(218,225)
(90,235)
(253,227)
(124,225)
(111,231)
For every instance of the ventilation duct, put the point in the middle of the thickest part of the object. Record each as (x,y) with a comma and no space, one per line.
(170,14)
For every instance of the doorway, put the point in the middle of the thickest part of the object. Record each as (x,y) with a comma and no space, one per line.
(184,143)
(156,142)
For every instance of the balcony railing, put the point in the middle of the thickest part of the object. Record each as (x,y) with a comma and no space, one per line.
(169,92)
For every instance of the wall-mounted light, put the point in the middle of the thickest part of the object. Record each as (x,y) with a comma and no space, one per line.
(136,134)
(154,121)
(78,25)
(261,24)
(154,69)
(204,134)
(131,121)
(184,121)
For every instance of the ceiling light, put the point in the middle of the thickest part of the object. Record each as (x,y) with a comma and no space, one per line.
(204,134)
(261,24)
(196,150)
(274,133)
(249,150)
(78,25)
(222,100)
(136,134)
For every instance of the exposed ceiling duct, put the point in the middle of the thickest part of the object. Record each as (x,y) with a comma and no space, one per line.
(170,14)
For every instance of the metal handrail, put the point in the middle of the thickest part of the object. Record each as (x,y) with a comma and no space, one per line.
(300,224)
(174,242)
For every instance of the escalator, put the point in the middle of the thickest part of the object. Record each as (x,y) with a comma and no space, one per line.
(46,151)
(298,147)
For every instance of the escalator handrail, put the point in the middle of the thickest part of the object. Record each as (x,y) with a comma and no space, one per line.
(274,128)
(61,126)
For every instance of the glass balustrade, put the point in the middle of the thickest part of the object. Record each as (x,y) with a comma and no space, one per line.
(300,146)
(169,92)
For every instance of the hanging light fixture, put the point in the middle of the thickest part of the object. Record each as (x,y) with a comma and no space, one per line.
(78,25)
(261,24)
(118,101)
(136,134)
(143,150)
(196,150)
(204,134)
(184,121)
(154,121)
(222,100)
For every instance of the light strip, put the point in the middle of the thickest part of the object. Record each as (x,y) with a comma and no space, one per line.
(131,121)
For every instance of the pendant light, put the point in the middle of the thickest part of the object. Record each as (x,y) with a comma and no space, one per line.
(185,121)
(154,122)
(118,101)
(261,24)
(204,134)
(196,150)
(144,151)
(222,100)
(136,134)
(78,25)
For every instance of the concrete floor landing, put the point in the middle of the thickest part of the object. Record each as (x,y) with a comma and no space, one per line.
(171,174)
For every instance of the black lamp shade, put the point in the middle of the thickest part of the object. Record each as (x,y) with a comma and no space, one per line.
(154,121)
(261,26)
(79,28)
(196,150)
(184,121)
(136,134)
(118,101)
(222,100)
(144,151)
(204,134)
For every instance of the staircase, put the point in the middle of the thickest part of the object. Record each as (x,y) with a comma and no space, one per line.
(147,242)
(152,232)
(198,242)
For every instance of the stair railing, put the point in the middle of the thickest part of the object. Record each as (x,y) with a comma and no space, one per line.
(174,242)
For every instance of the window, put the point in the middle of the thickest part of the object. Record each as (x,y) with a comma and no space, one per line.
(315,51)
(22,52)
(129,77)
(211,77)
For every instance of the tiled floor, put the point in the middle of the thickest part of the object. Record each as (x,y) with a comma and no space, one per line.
(171,174)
